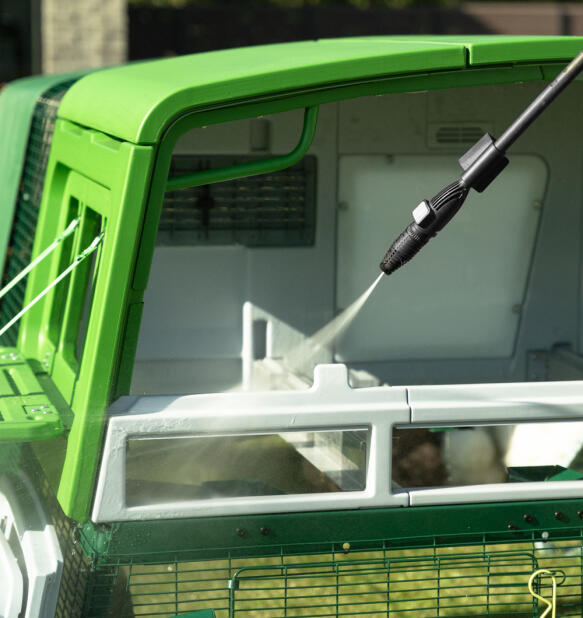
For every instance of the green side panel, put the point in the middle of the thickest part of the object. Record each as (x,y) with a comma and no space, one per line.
(75,331)
(26,412)
(30,190)
(17,104)
(135,102)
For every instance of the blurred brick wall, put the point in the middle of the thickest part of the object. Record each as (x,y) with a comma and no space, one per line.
(79,34)
(524,18)
(161,31)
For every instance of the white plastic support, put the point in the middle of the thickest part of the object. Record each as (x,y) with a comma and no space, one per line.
(11,585)
(282,341)
(329,404)
(41,562)
(280,338)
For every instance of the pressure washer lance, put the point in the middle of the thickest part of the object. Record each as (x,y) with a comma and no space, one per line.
(481,164)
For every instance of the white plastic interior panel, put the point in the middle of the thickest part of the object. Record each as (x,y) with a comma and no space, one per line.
(24,525)
(193,303)
(10,582)
(329,405)
(461,297)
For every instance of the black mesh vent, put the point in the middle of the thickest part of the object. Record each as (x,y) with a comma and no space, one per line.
(458,134)
(269,210)
(28,202)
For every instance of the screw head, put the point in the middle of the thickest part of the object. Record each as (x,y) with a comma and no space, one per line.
(264,530)
(241,532)
(560,516)
(580,514)
(528,518)
(511,527)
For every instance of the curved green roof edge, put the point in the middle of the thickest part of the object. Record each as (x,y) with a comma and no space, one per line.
(134,102)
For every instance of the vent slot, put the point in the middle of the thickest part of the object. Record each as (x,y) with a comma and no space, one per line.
(28,202)
(450,135)
(268,210)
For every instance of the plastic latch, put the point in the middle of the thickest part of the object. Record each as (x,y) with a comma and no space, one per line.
(476,151)
(482,163)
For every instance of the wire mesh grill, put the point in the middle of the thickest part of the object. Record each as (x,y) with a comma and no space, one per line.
(428,586)
(77,573)
(276,209)
(489,579)
(28,202)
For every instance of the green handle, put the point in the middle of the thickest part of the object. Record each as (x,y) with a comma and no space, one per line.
(201,613)
(264,166)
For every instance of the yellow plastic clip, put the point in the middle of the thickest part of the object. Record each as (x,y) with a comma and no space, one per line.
(551,605)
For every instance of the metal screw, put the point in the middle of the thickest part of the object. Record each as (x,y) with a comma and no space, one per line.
(346,547)
(511,527)
(544,536)
(580,514)
(528,518)
(560,516)
(264,530)
(241,532)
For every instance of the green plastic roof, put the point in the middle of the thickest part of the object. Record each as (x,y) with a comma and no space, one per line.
(135,102)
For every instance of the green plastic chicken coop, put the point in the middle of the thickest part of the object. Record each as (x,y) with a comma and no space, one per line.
(173,230)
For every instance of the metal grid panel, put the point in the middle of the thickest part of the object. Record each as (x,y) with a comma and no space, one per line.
(77,571)
(276,209)
(432,581)
(443,585)
(28,202)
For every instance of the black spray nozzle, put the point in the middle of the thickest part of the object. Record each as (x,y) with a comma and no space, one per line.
(481,164)
(428,218)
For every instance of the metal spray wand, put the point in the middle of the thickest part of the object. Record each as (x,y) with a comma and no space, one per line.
(481,164)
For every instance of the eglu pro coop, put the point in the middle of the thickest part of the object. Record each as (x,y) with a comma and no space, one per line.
(184,430)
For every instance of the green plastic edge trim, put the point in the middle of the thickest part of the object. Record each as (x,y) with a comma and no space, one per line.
(217,537)
(17,103)
(136,100)
(201,613)
(254,168)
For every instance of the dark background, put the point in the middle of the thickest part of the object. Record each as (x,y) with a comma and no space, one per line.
(156,30)
(167,27)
